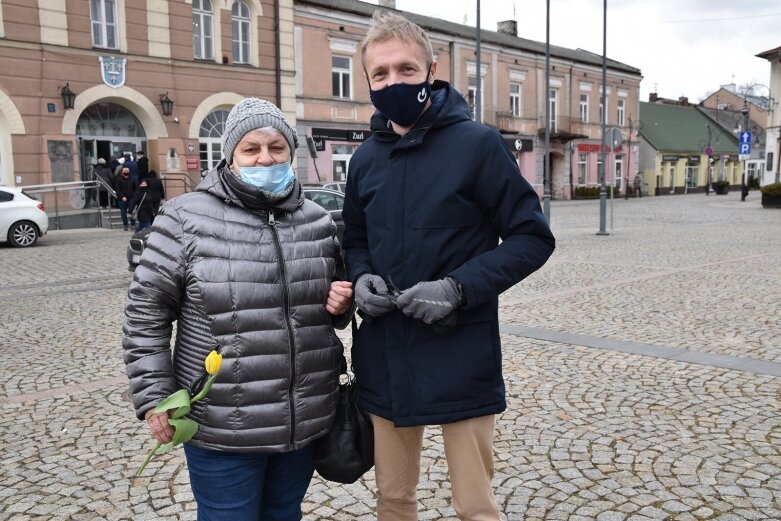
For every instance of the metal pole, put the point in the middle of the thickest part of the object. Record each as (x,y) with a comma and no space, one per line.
(743,180)
(479,80)
(546,160)
(602,192)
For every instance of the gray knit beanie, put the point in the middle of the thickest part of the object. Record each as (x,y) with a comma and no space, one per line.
(252,113)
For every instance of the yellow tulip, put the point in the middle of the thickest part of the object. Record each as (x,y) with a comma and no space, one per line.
(213,362)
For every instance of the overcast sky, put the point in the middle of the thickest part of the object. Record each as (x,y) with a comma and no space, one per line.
(683,47)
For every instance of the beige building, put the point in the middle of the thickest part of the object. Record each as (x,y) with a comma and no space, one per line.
(124,60)
(333,107)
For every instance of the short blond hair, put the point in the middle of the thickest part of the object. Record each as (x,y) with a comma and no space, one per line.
(391,26)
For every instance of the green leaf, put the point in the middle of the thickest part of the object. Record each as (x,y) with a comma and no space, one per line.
(180,400)
(184,429)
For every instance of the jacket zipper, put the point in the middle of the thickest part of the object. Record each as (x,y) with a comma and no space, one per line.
(286,295)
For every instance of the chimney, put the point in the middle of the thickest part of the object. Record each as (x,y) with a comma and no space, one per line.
(507,27)
(653,97)
(683,100)
(390,4)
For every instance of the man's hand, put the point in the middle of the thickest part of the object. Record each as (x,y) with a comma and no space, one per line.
(158,424)
(372,295)
(340,297)
(430,301)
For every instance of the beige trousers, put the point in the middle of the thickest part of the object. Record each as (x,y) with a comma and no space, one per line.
(469,454)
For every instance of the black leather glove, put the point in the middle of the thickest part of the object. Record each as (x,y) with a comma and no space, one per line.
(430,301)
(372,295)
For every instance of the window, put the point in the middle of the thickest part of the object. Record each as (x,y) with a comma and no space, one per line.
(471,93)
(104,23)
(582,164)
(340,158)
(672,179)
(584,108)
(602,113)
(340,76)
(515,99)
(203,35)
(620,116)
(553,100)
(241,33)
(210,138)
(6,196)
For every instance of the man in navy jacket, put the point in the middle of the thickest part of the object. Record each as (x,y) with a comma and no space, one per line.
(428,198)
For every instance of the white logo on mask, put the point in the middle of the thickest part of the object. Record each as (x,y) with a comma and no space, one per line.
(422,95)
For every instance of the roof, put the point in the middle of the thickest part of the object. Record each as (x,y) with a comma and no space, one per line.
(465,31)
(727,118)
(771,54)
(672,128)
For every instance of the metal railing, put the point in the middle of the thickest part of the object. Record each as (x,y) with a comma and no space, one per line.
(73,196)
(177,179)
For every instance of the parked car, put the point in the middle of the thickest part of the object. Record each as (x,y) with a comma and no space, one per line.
(335,185)
(22,217)
(331,200)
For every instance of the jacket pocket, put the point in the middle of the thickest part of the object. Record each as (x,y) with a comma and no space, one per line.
(460,369)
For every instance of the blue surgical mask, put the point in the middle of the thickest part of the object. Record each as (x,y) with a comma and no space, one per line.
(274,178)
(402,103)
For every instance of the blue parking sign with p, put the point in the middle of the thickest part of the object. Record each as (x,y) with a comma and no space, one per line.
(744,148)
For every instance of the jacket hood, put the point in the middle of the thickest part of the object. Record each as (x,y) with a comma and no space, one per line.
(217,184)
(448,107)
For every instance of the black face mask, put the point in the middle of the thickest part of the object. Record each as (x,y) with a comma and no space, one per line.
(402,103)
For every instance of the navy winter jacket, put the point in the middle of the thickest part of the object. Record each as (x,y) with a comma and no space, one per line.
(431,204)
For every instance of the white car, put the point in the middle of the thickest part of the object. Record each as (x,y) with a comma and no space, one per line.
(22,218)
(335,185)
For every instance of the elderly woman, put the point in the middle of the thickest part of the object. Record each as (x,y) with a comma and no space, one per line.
(247,264)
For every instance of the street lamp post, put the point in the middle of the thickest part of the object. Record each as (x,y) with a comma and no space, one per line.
(743,180)
(602,191)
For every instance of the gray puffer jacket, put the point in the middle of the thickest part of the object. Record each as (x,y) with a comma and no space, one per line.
(255,283)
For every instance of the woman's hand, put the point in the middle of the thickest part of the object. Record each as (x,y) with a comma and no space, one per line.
(158,424)
(340,297)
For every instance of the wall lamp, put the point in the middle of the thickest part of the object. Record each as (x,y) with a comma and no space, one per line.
(167,104)
(68,96)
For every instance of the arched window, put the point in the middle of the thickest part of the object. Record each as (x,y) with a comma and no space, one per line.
(210,138)
(240,20)
(203,32)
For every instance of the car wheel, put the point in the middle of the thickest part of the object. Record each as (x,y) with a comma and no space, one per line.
(23,234)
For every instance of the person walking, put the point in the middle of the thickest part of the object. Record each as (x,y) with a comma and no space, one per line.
(143,165)
(429,197)
(125,187)
(637,185)
(156,190)
(102,172)
(247,264)
(142,206)
(133,167)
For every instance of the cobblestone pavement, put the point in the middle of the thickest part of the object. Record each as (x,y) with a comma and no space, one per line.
(590,433)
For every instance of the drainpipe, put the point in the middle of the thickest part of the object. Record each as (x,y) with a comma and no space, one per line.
(277,59)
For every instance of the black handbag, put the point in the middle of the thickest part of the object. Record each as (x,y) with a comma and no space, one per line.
(347,452)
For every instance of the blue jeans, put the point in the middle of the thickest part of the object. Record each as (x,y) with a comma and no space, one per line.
(230,486)
(123,206)
(141,226)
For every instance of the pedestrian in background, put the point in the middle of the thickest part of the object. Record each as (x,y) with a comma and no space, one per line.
(429,196)
(102,172)
(637,185)
(125,187)
(133,167)
(247,264)
(156,190)
(143,165)
(141,207)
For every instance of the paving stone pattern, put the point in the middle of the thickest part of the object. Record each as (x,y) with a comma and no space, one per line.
(590,433)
